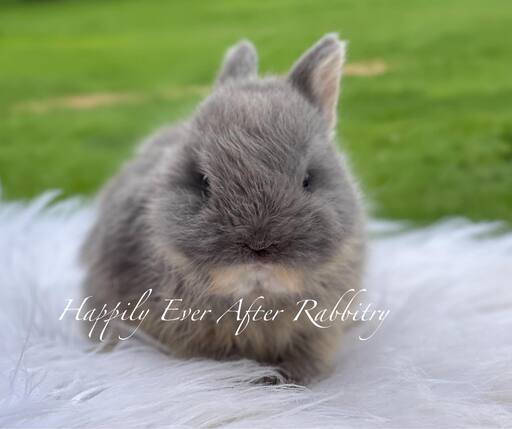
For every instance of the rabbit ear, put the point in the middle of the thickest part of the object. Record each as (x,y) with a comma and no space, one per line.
(240,62)
(317,75)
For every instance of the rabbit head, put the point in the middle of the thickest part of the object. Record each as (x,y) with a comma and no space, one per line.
(258,196)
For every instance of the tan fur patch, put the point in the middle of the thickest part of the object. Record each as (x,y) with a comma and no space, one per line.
(243,279)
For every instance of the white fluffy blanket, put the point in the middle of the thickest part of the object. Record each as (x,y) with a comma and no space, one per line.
(442,359)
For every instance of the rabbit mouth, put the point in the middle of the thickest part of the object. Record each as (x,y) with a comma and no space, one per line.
(245,279)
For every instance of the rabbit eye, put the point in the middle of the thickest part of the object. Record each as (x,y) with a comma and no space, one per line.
(306,182)
(205,186)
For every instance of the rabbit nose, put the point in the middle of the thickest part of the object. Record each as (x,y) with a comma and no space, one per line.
(259,246)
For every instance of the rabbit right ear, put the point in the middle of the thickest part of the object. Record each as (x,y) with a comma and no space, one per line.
(240,62)
(317,75)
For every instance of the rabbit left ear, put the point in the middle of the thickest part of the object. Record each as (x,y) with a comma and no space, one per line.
(317,75)
(240,62)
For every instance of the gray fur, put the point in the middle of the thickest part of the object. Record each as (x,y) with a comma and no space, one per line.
(317,75)
(240,62)
(162,226)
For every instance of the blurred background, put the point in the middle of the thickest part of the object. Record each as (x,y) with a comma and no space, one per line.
(425,113)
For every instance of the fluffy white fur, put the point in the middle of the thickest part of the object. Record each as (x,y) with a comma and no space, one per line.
(443,358)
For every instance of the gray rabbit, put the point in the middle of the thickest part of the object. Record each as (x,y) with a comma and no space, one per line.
(248,198)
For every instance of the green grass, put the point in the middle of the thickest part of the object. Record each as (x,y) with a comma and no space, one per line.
(432,137)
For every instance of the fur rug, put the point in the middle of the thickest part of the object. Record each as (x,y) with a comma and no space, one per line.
(442,359)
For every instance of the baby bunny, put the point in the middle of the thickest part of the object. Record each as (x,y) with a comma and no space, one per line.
(248,198)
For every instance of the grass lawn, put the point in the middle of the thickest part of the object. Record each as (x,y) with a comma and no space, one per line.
(429,133)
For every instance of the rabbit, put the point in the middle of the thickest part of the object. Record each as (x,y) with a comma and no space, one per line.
(248,198)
